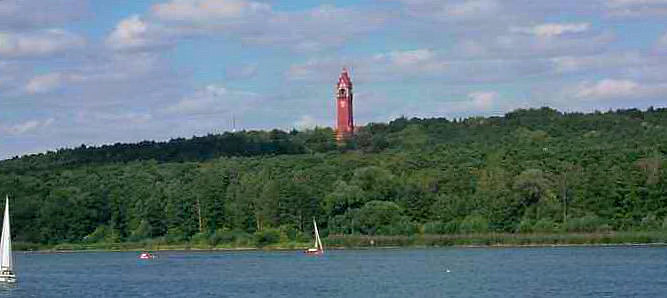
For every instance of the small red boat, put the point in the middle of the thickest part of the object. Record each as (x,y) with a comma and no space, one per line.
(146,255)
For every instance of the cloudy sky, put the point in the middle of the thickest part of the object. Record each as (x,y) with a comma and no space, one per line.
(78,72)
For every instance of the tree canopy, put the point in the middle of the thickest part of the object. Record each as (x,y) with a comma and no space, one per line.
(530,170)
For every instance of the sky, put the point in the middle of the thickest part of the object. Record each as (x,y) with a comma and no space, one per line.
(76,72)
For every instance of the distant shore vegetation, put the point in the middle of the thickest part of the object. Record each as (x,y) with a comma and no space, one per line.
(531,176)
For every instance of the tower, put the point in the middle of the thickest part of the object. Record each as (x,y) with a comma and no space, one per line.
(344,115)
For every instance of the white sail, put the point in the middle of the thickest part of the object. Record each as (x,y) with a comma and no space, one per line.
(318,249)
(318,242)
(315,226)
(6,242)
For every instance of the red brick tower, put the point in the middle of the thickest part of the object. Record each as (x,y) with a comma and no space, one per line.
(345,118)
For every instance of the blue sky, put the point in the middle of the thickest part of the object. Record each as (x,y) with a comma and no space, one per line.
(78,72)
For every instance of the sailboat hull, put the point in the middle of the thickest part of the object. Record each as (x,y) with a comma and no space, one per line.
(313,252)
(8,278)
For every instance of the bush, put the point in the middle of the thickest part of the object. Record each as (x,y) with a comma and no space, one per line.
(439,227)
(474,224)
(175,235)
(200,239)
(604,228)
(221,236)
(650,222)
(525,226)
(25,246)
(267,237)
(376,214)
(404,227)
(142,231)
(434,227)
(293,234)
(235,237)
(545,226)
(452,227)
(98,235)
(588,223)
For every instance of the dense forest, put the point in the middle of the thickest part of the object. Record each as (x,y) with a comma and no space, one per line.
(530,171)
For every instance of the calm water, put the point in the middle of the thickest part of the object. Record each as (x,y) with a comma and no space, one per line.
(474,272)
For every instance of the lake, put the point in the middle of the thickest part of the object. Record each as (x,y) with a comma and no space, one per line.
(433,272)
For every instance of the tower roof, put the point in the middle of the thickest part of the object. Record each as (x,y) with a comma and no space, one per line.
(344,79)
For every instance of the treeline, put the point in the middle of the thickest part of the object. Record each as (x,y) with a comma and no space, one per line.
(251,143)
(529,171)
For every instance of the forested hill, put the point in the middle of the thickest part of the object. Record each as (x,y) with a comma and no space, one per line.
(372,138)
(530,170)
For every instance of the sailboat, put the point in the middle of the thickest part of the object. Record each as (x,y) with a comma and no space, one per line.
(6,259)
(318,249)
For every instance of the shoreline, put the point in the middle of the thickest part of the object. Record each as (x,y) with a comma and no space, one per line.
(363,242)
(248,249)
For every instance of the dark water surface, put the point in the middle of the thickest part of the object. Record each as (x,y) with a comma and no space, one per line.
(443,272)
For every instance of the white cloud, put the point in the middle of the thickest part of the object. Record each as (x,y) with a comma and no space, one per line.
(472,8)
(508,29)
(515,45)
(8,72)
(626,3)
(39,43)
(27,14)
(49,82)
(662,41)
(453,11)
(483,100)
(207,10)
(493,12)
(636,8)
(244,71)
(133,33)
(412,61)
(553,29)
(115,69)
(306,122)
(25,127)
(497,28)
(124,118)
(475,103)
(660,46)
(213,99)
(609,89)
(634,2)
(392,65)
(251,22)
(420,64)
(471,48)
(44,83)
(615,61)
(407,58)
(313,30)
